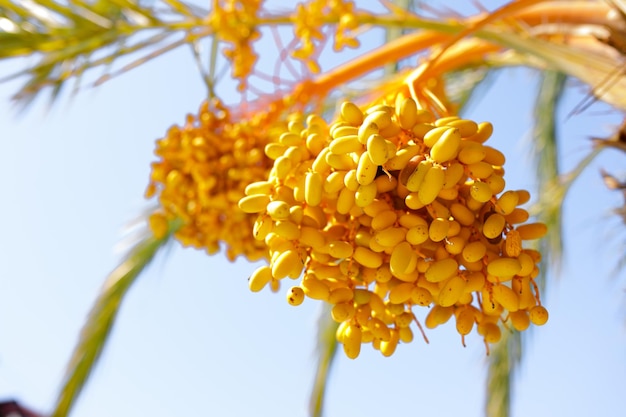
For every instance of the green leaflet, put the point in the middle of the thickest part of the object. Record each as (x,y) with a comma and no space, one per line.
(503,362)
(545,154)
(326,351)
(101,318)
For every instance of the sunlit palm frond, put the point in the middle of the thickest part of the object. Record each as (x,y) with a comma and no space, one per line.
(605,75)
(69,38)
(101,318)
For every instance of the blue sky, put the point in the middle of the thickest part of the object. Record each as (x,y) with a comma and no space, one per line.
(192,339)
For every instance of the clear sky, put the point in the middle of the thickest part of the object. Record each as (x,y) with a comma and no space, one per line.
(191,338)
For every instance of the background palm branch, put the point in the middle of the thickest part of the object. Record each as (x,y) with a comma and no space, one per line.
(103,314)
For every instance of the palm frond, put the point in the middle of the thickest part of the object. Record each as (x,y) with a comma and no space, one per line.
(70,38)
(603,74)
(504,360)
(101,318)
(554,193)
(545,152)
(326,351)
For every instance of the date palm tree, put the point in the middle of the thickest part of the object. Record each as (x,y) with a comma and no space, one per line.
(435,58)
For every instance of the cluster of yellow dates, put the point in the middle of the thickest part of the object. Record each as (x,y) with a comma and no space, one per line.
(388,209)
(202,171)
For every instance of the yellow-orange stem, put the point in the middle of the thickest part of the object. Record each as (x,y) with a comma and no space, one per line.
(572,12)
(393,51)
(527,12)
(473,27)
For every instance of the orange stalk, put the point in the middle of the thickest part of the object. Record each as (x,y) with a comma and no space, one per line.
(528,12)
(457,56)
(572,12)
(472,27)
(391,52)
(525,12)
(464,53)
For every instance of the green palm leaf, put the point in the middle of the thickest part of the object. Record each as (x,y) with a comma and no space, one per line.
(70,38)
(503,362)
(546,159)
(101,318)
(326,351)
